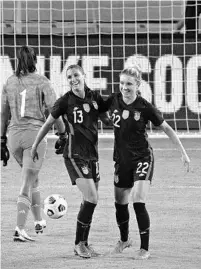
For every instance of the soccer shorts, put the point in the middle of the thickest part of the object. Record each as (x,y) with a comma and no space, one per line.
(125,176)
(20,143)
(78,168)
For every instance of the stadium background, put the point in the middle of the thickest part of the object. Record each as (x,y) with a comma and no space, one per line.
(104,37)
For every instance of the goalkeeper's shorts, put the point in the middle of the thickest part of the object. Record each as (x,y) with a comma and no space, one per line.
(20,143)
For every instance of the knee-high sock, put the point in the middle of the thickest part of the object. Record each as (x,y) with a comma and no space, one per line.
(36,204)
(23,207)
(84,219)
(143,221)
(122,217)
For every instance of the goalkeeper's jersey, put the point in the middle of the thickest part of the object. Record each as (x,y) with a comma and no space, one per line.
(130,124)
(27,98)
(81,119)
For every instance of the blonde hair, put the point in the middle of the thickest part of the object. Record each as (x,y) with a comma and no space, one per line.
(134,71)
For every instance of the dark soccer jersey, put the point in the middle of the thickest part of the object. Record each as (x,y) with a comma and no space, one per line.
(81,119)
(130,123)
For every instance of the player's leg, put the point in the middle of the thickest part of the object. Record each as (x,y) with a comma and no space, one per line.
(85,215)
(23,200)
(29,174)
(81,175)
(142,176)
(28,140)
(36,207)
(94,166)
(122,187)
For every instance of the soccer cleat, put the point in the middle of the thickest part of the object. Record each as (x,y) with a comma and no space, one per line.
(121,246)
(21,236)
(82,251)
(40,225)
(142,254)
(26,236)
(17,237)
(92,251)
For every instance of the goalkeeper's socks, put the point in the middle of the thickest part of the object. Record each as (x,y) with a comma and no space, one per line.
(122,217)
(83,221)
(23,207)
(36,204)
(143,224)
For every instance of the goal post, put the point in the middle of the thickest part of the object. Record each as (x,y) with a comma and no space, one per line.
(104,37)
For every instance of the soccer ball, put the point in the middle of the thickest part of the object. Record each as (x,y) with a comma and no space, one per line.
(55,206)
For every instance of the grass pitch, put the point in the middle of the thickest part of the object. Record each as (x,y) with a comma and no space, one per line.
(174,205)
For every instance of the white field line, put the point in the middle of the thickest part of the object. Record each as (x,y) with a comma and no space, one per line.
(152,187)
(154,149)
(157,149)
(150,135)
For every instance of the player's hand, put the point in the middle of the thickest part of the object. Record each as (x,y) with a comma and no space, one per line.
(106,119)
(186,161)
(5,155)
(60,143)
(34,153)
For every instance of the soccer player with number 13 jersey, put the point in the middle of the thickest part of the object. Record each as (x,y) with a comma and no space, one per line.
(80,108)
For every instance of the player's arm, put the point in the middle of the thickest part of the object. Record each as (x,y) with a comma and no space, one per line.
(175,139)
(49,99)
(41,134)
(104,104)
(104,117)
(155,117)
(5,112)
(5,117)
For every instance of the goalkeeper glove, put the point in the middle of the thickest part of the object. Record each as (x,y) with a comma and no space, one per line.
(5,155)
(60,143)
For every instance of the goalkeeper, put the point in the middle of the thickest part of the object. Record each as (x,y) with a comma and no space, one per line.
(25,97)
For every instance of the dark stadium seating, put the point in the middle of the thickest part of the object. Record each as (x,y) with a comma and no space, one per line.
(56,17)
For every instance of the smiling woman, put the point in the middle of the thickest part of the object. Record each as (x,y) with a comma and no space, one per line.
(130,80)
(80,108)
(76,79)
(133,156)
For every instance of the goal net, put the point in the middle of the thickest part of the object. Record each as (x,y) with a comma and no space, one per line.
(106,36)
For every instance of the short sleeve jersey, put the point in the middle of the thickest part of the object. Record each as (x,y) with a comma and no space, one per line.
(27,98)
(81,120)
(130,124)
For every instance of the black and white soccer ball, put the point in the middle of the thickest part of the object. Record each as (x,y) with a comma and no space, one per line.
(55,206)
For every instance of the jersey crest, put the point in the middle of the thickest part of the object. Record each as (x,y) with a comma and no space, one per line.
(137,115)
(85,170)
(95,105)
(125,114)
(86,107)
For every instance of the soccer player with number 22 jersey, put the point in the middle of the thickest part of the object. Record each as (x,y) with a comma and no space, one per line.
(133,155)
